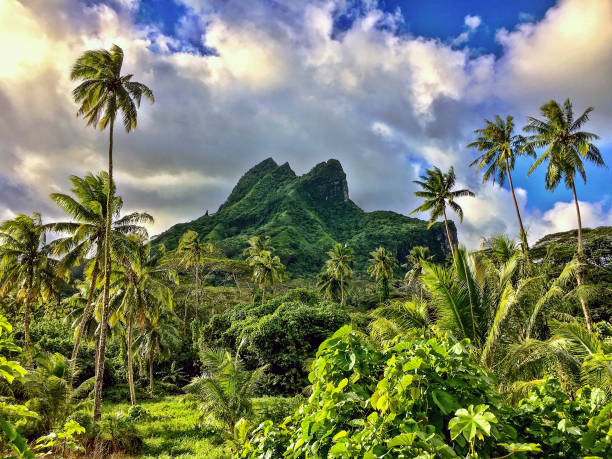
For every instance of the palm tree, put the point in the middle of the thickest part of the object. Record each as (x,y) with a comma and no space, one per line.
(225,388)
(437,192)
(257,245)
(500,146)
(267,271)
(140,286)
(103,93)
(87,230)
(415,260)
(193,255)
(338,266)
(24,254)
(328,286)
(381,269)
(566,147)
(156,340)
(502,248)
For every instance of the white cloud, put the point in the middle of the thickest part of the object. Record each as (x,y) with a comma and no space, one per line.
(472,22)
(562,217)
(384,103)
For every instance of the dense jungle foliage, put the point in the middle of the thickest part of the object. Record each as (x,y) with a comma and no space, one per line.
(292,324)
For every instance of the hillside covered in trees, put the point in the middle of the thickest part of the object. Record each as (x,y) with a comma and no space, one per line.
(292,324)
(304,217)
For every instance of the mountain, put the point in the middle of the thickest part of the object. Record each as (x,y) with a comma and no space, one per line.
(559,248)
(305,215)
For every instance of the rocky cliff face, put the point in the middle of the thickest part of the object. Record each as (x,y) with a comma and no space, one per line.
(305,216)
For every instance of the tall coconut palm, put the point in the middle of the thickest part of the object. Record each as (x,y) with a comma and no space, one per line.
(193,254)
(328,286)
(500,147)
(381,269)
(87,209)
(268,271)
(438,193)
(565,149)
(102,94)
(338,266)
(415,260)
(141,286)
(24,254)
(156,340)
(256,247)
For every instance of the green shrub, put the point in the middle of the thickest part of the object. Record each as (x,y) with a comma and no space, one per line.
(118,434)
(137,413)
(276,409)
(563,425)
(427,398)
(281,334)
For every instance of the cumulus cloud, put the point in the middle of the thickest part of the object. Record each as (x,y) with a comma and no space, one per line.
(282,82)
(562,217)
(471,24)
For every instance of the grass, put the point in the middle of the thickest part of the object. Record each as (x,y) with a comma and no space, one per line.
(173,430)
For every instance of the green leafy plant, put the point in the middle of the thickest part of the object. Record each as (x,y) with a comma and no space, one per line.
(472,423)
(59,442)
(11,371)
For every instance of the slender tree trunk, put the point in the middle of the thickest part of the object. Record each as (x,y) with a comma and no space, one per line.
(197,279)
(448,234)
(263,294)
(130,362)
(97,414)
(151,368)
(86,312)
(583,304)
(26,328)
(342,290)
(518,214)
(579,220)
(185,316)
(81,329)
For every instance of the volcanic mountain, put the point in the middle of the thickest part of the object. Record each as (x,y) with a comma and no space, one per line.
(305,215)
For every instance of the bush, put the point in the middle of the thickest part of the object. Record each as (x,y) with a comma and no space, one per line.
(425,398)
(138,413)
(281,334)
(118,434)
(276,409)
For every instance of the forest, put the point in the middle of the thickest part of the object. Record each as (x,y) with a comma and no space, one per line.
(306,337)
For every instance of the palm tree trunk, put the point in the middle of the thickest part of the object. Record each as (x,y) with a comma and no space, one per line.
(518,214)
(342,290)
(263,294)
(579,220)
(151,368)
(26,328)
(579,280)
(450,242)
(97,414)
(197,279)
(130,362)
(86,312)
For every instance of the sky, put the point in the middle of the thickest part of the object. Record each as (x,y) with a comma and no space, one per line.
(388,87)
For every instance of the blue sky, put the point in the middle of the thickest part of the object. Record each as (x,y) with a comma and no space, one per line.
(438,19)
(388,87)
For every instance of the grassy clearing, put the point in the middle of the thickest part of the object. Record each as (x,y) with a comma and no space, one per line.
(172,431)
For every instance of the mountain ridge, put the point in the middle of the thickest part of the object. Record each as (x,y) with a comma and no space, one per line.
(305,215)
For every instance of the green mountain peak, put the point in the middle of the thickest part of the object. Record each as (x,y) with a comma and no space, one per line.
(305,215)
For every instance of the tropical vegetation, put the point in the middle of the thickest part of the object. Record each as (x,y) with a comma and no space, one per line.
(290,323)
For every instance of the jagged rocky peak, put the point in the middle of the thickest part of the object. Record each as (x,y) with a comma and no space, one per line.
(326,182)
(249,179)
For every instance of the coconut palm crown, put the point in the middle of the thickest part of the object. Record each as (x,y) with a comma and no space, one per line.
(437,190)
(500,147)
